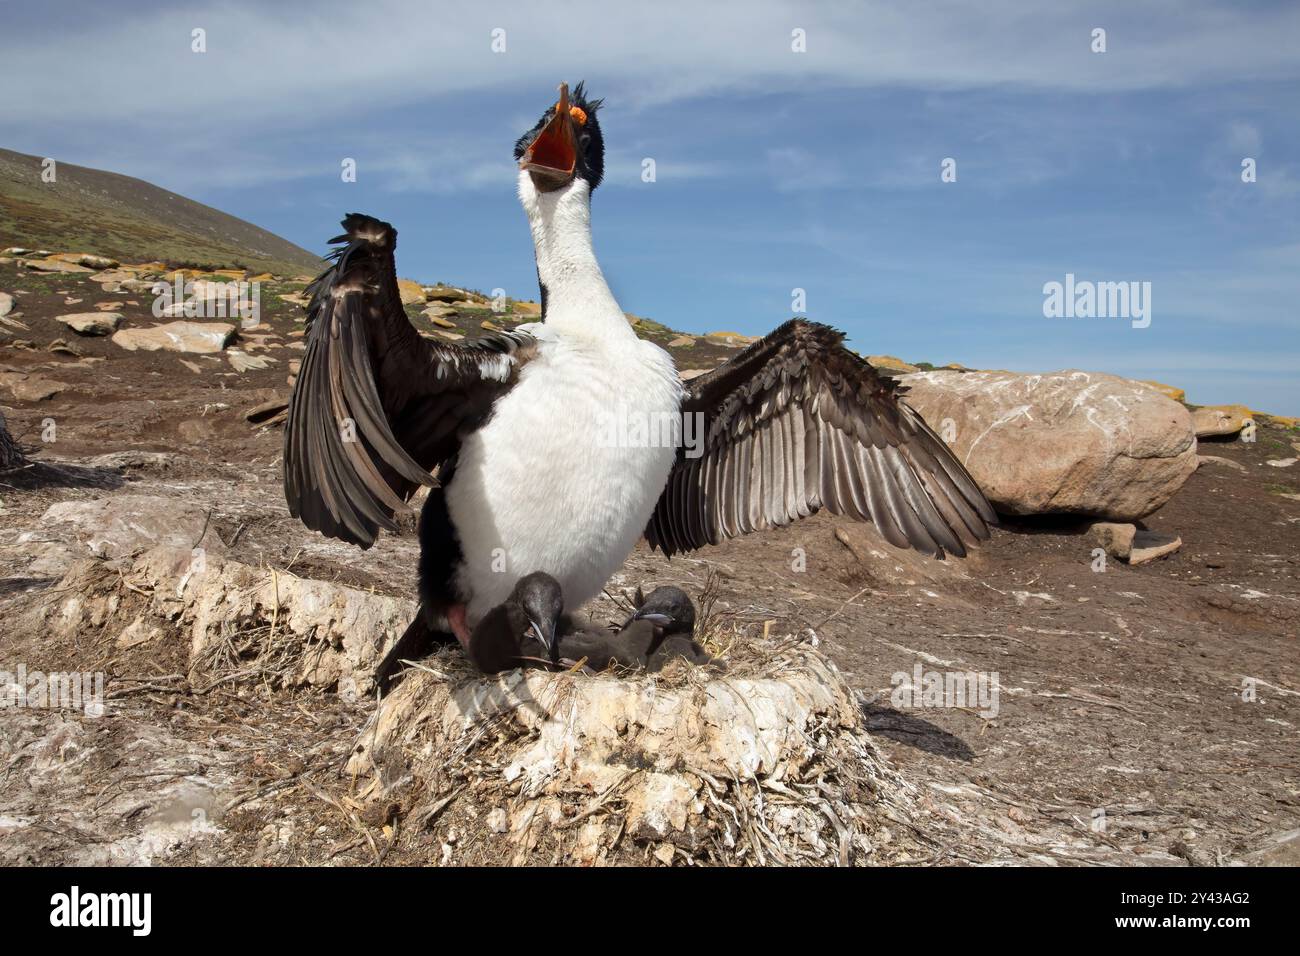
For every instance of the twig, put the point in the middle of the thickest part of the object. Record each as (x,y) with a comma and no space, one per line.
(836,612)
(604,798)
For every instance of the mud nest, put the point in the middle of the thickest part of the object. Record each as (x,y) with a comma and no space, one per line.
(764,764)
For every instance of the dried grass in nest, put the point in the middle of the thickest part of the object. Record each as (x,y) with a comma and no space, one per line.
(239,623)
(256,653)
(764,764)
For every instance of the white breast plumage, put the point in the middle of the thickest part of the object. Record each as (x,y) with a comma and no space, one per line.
(553,482)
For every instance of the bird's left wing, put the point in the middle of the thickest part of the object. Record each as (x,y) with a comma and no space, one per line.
(796,423)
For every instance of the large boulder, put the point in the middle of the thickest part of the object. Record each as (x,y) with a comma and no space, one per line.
(92,323)
(1215,421)
(120,525)
(891,364)
(442,293)
(1170,391)
(731,340)
(411,292)
(26,387)
(202,337)
(113,275)
(1062,442)
(437,313)
(86,259)
(54,265)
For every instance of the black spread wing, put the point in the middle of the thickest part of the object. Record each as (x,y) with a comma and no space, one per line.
(796,423)
(376,406)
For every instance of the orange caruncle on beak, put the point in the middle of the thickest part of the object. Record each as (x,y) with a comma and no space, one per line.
(553,155)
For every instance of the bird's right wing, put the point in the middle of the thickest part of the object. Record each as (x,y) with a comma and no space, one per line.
(376,406)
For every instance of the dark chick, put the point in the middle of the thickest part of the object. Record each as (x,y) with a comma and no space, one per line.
(667,607)
(520,630)
(529,630)
(669,613)
(599,648)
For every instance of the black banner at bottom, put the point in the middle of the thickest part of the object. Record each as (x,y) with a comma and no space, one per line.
(342,905)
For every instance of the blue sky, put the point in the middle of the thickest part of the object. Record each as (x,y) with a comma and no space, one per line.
(775,170)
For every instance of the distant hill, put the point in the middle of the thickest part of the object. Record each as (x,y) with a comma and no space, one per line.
(89,210)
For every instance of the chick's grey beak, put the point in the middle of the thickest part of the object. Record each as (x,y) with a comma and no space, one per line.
(655,618)
(544,634)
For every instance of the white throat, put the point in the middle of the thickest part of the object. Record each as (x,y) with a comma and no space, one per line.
(578,300)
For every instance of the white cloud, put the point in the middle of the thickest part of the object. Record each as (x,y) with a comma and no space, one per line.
(793,168)
(324,62)
(623,168)
(1244,138)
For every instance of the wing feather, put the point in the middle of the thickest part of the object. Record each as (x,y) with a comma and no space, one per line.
(796,423)
(376,407)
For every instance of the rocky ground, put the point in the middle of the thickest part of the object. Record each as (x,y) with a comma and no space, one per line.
(1146,714)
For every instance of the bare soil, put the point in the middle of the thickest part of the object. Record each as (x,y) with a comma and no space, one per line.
(1146,715)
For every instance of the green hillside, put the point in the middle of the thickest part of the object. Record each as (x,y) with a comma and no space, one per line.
(89,210)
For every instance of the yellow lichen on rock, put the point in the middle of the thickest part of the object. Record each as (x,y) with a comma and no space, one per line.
(891,364)
(1172,391)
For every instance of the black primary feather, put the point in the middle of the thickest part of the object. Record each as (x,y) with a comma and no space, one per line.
(376,406)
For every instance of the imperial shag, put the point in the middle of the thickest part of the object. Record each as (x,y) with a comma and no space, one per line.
(510,432)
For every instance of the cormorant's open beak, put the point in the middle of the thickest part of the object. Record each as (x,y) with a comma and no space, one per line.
(546,635)
(552,158)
